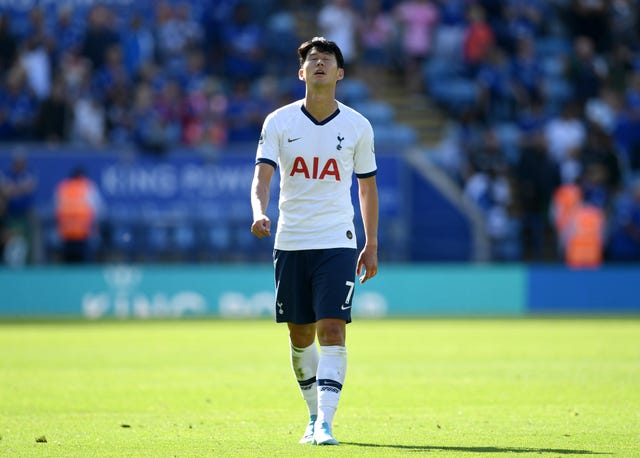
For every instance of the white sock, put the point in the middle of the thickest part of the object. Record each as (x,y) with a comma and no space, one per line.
(332,369)
(304,362)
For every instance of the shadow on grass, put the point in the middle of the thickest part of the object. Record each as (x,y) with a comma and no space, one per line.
(478,449)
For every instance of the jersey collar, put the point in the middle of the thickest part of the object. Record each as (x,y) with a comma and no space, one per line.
(315,121)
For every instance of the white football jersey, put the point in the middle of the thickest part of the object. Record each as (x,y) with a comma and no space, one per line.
(317,161)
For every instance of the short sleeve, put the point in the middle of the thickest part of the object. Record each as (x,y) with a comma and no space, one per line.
(364,157)
(268,144)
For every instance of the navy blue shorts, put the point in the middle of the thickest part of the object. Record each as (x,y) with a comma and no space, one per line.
(314,284)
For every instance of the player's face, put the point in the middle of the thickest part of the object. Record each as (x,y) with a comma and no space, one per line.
(320,67)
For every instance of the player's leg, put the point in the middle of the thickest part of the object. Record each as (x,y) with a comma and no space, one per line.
(333,286)
(293,306)
(332,368)
(304,361)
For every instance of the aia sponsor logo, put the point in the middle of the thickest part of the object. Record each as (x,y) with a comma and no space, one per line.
(316,170)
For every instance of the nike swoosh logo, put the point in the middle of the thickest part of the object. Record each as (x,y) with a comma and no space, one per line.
(345,308)
(293,139)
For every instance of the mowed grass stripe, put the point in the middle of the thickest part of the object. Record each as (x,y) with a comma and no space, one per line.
(529,387)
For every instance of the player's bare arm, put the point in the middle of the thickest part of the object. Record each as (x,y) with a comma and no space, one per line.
(260,192)
(367,266)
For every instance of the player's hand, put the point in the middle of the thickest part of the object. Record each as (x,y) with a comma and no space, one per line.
(367,263)
(261,227)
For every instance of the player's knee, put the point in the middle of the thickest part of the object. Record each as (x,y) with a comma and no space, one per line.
(331,332)
(301,335)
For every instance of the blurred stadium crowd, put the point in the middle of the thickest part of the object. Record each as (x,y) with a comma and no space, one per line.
(538,95)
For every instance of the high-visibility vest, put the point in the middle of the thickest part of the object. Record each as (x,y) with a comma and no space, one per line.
(74,212)
(566,200)
(584,242)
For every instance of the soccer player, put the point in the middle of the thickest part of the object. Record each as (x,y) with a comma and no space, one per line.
(318,143)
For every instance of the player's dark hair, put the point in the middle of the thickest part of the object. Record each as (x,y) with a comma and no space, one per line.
(322,45)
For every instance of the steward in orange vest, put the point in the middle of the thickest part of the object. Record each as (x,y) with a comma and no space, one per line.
(565,201)
(585,237)
(76,211)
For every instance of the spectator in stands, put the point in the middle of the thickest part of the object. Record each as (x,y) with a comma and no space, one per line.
(268,94)
(532,117)
(632,92)
(152,75)
(159,117)
(338,20)
(188,27)
(280,31)
(89,120)
(244,113)
(242,42)
(591,18)
(626,135)
(602,167)
(148,133)
(497,92)
(34,59)
(619,65)
(537,177)
(55,116)
(491,190)
(453,13)
(586,71)
(18,107)
(376,36)
(463,135)
(624,243)
(169,104)
(503,224)
(517,19)
(77,74)
(99,35)
(119,122)
(215,16)
(67,35)
(138,44)
(487,154)
(38,29)
(571,165)
(112,77)
(565,134)
(193,76)
(18,187)
(205,123)
(604,109)
(4,234)
(8,45)
(78,209)
(417,20)
(35,53)
(482,157)
(178,33)
(526,72)
(478,39)
(625,19)
(594,185)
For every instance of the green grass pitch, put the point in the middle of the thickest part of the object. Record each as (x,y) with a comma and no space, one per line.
(513,387)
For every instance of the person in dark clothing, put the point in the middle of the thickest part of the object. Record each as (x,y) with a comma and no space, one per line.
(8,45)
(54,116)
(599,151)
(99,36)
(537,177)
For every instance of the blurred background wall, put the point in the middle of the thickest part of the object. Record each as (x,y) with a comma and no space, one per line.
(496,123)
